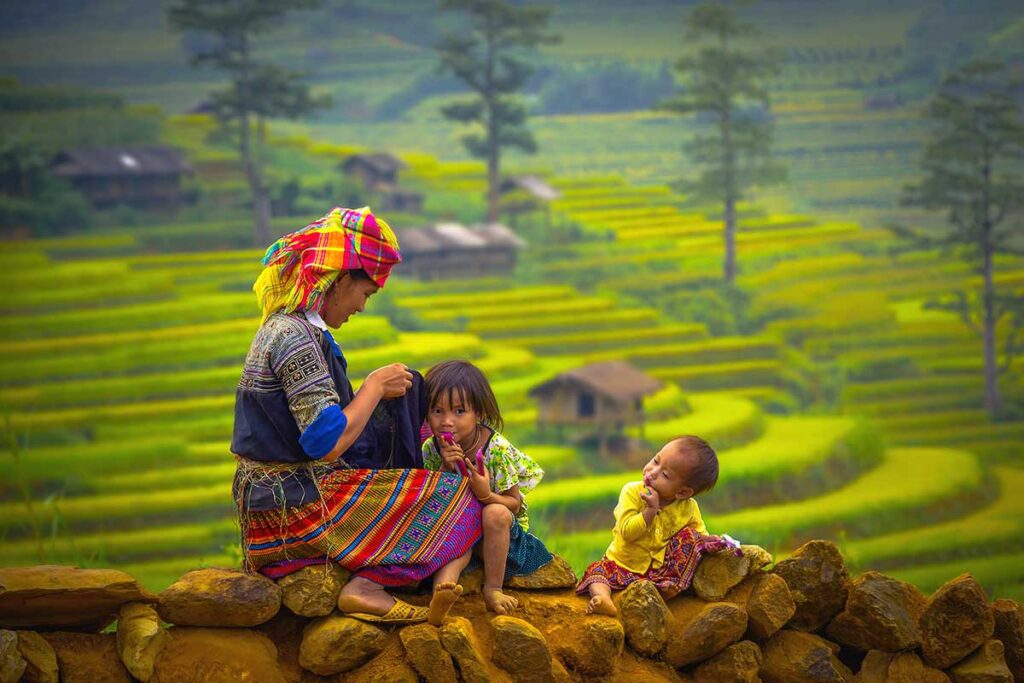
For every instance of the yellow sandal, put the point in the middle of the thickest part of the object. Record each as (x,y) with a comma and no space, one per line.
(400,613)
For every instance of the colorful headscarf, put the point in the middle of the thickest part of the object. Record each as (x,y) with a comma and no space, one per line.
(300,266)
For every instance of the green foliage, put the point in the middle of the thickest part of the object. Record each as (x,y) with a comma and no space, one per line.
(485,59)
(603,87)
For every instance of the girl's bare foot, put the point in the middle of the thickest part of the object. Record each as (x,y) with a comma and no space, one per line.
(602,604)
(497,601)
(445,595)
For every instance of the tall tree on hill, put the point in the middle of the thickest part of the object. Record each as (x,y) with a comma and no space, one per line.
(258,90)
(485,58)
(972,171)
(724,80)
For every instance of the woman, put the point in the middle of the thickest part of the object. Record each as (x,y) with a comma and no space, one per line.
(326,473)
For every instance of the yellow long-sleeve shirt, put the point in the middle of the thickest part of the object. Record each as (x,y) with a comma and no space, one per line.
(638,547)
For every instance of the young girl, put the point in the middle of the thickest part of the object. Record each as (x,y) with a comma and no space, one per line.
(464,421)
(659,534)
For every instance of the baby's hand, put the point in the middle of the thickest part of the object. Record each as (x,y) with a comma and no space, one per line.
(451,452)
(651,497)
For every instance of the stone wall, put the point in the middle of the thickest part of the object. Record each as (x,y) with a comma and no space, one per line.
(803,620)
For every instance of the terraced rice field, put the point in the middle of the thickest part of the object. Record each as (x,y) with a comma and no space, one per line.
(851,413)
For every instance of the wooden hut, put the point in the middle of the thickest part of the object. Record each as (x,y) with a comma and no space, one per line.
(447,251)
(147,177)
(402,200)
(596,401)
(523,194)
(377,172)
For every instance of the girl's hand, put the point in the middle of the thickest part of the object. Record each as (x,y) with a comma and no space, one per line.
(394,380)
(651,497)
(479,477)
(451,453)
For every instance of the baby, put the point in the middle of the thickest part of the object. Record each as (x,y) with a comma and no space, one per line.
(659,534)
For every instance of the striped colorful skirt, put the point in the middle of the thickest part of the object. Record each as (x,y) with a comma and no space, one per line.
(392,527)
(675,574)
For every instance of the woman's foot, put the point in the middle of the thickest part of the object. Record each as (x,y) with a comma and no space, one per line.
(445,595)
(497,601)
(361,595)
(602,604)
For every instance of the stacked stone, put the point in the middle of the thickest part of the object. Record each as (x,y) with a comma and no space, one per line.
(804,620)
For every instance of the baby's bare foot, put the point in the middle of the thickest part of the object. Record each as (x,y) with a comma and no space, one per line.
(445,595)
(602,604)
(497,601)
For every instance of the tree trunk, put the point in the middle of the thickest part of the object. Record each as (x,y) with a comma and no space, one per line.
(730,240)
(260,198)
(993,402)
(493,171)
(250,164)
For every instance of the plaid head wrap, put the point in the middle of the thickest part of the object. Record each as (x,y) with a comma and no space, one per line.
(300,266)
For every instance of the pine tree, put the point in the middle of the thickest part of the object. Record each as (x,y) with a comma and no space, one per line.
(724,80)
(258,90)
(972,171)
(486,59)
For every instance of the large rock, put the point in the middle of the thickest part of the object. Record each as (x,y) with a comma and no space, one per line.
(219,597)
(589,647)
(216,655)
(645,617)
(459,638)
(139,638)
(738,663)
(555,574)
(313,591)
(389,666)
(336,644)
(717,574)
(57,597)
(520,649)
(702,630)
(87,657)
(986,665)
(767,601)
(423,648)
(905,667)
(818,582)
(39,657)
(881,614)
(1009,629)
(797,657)
(285,632)
(12,664)
(955,622)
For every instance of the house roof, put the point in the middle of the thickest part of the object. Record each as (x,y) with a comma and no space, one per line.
(532,185)
(381,162)
(106,161)
(442,236)
(616,380)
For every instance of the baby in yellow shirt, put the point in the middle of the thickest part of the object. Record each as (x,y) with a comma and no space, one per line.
(659,534)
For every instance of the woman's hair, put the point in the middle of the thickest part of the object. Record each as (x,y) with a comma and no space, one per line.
(459,379)
(704,463)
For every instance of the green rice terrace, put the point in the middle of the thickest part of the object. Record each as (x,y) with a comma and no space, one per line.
(842,408)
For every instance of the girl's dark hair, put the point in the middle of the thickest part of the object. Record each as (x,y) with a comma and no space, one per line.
(459,379)
(704,468)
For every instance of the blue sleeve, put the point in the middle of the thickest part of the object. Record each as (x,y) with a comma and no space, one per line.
(323,433)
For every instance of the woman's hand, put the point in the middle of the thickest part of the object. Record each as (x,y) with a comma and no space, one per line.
(394,380)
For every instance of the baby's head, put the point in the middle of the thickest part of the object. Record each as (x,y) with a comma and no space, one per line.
(685,467)
(458,398)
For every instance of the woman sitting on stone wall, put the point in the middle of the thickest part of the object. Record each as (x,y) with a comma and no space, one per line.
(326,473)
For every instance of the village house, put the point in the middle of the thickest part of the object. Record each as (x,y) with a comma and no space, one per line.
(452,251)
(377,172)
(524,194)
(146,177)
(595,401)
